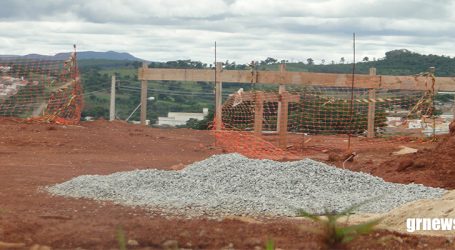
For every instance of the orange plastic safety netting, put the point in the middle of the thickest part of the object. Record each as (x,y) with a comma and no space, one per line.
(249,145)
(252,120)
(41,90)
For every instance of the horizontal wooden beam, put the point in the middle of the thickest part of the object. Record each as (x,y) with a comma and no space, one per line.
(297,78)
(266,96)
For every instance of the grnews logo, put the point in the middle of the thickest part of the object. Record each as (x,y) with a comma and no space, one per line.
(437,224)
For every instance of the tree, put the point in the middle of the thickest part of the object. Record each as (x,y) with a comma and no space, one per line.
(342,60)
(366,59)
(398,53)
(270,60)
(310,61)
(323,61)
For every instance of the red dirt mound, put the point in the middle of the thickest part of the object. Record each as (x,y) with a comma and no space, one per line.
(432,167)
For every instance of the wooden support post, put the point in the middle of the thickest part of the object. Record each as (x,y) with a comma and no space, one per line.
(453,109)
(371,107)
(218,96)
(258,112)
(372,71)
(283,123)
(282,119)
(112,106)
(144,97)
(371,112)
(281,90)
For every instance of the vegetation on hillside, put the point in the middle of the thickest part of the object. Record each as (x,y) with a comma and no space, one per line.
(395,62)
(193,96)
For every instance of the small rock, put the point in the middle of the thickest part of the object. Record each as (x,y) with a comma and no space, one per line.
(170,245)
(177,166)
(202,233)
(229,247)
(405,150)
(185,234)
(40,247)
(132,243)
(253,241)
(8,245)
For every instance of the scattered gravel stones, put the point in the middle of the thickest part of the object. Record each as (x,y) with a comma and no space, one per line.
(233,184)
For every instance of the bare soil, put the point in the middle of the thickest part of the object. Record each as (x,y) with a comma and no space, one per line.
(36,155)
(432,167)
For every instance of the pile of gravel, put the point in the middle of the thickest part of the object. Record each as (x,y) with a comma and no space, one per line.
(234,184)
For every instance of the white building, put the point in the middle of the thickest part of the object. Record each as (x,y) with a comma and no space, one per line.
(180,118)
(9,86)
(394,121)
(447,117)
(415,124)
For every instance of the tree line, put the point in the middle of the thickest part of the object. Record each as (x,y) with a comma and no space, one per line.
(395,62)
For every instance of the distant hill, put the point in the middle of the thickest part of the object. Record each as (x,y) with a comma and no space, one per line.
(109,55)
(85,55)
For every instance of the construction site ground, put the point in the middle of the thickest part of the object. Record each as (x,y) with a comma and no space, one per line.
(33,156)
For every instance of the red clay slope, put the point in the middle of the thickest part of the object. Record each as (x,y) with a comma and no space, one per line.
(432,167)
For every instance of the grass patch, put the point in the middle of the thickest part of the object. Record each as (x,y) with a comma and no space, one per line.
(336,233)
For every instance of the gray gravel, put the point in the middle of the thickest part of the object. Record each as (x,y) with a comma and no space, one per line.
(234,184)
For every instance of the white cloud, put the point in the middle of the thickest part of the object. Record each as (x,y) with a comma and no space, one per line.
(244,29)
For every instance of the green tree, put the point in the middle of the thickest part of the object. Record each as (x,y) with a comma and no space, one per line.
(270,60)
(310,61)
(203,124)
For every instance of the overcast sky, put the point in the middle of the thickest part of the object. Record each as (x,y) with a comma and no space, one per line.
(245,30)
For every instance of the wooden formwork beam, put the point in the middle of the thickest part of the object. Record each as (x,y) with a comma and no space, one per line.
(371,113)
(371,108)
(282,121)
(259,98)
(281,90)
(299,78)
(258,112)
(267,96)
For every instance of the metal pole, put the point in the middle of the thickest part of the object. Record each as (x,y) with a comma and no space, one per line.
(132,113)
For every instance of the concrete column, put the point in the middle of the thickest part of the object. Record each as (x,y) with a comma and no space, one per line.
(112,106)
(144,98)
